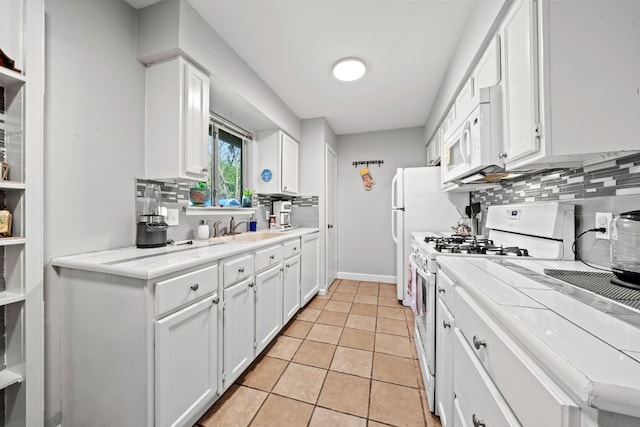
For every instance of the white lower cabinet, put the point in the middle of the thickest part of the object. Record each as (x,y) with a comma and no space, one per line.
(512,370)
(444,357)
(291,285)
(481,404)
(268,294)
(238,329)
(186,362)
(309,267)
(163,350)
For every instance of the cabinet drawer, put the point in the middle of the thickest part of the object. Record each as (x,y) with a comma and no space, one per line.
(268,257)
(291,248)
(480,402)
(445,288)
(181,290)
(237,269)
(512,370)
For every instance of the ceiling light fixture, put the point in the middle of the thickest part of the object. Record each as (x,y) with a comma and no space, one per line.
(349,69)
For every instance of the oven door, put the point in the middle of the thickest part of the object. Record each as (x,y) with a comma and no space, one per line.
(425,330)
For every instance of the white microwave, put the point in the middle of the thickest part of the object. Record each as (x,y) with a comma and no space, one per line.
(472,153)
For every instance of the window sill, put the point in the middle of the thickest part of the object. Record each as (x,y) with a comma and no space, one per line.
(214,210)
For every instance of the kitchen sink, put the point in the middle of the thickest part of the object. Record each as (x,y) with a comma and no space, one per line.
(244,237)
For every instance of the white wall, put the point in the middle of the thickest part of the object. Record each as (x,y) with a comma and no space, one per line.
(94,141)
(365,246)
(481,23)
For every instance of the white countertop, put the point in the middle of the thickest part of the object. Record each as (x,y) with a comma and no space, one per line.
(155,262)
(591,344)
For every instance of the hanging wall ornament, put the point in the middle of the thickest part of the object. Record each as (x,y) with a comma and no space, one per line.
(367,179)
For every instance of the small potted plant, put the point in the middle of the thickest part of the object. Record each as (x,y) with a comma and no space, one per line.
(247,198)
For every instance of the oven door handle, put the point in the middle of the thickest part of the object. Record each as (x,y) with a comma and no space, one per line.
(425,274)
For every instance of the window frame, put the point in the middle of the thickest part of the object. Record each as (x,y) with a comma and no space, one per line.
(216,124)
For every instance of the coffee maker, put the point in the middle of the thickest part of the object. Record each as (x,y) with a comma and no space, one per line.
(151,230)
(282,211)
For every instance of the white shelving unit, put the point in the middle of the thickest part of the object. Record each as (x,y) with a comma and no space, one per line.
(21,255)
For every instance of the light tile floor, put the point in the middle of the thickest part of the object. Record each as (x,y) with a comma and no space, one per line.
(347,359)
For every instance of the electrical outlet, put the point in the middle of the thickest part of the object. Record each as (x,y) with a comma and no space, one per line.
(603,220)
(172,217)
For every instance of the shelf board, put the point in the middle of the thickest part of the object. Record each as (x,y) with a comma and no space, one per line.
(10,241)
(11,79)
(12,185)
(8,377)
(190,210)
(7,298)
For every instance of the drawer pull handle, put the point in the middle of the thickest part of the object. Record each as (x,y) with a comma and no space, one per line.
(272,257)
(287,265)
(195,287)
(241,270)
(441,290)
(446,324)
(216,299)
(477,343)
(251,285)
(295,248)
(477,422)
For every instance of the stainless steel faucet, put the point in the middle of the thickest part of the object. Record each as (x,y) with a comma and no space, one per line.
(233,226)
(216,231)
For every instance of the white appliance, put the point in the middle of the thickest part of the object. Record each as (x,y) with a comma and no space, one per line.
(418,204)
(472,153)
(535,231)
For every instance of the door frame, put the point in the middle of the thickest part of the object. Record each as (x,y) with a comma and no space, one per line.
(330,151)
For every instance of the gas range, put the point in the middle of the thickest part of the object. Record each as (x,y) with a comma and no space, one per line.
(537,231)
(473,245)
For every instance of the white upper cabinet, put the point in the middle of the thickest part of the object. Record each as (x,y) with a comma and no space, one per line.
(521,118)
(487,73)
(570,72)
(277,163)
(177,121)
(434,148)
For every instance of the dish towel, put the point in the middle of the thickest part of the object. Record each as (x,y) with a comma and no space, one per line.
(412,292)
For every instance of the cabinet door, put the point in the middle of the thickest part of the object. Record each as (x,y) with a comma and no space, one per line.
(268,296)
(238,330)
(444,361)
(196,122)
(289,165)
(291,287)
(310,267)
(521,113)
(487,72)
(186,362)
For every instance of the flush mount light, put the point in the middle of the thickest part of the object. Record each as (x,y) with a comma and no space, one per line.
(349,69)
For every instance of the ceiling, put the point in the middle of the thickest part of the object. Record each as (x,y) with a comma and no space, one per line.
(292,44)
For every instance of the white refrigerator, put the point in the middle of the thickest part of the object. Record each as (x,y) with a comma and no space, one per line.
(419,204)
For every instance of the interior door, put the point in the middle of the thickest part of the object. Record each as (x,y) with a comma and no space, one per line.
(331,241)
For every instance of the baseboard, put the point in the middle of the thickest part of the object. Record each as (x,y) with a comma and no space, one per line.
(366,277)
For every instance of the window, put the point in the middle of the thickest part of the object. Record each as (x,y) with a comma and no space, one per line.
(226,149)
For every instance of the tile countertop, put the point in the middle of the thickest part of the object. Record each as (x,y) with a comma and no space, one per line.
(155,262)
(590,343)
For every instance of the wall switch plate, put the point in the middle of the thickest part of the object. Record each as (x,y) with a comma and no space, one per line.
(172,217)
(603,220)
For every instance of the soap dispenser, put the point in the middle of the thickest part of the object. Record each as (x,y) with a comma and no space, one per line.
(203,230)
(253,222)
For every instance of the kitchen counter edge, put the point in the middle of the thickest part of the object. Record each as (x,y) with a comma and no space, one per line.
(166,260)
